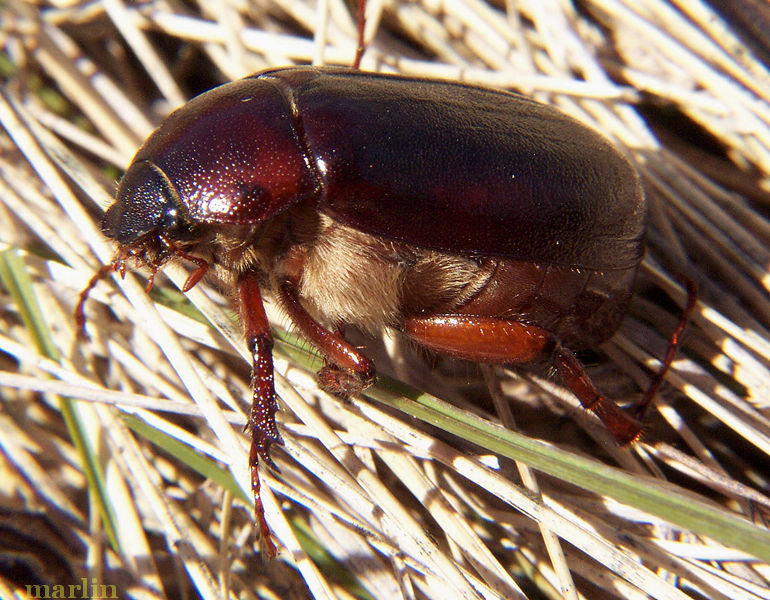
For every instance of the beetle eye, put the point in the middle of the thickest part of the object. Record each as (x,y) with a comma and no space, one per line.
(175,225)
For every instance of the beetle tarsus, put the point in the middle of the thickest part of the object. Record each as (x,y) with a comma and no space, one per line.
(349,370)
(264,432)
(259,510)
(623,427)
(342,382)
(80,307)
(642,407)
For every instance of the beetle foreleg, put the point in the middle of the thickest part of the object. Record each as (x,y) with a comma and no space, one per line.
(348,371)
(497,340)
(264,432)
(80,307)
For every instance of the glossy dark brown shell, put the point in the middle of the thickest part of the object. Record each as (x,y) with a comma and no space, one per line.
(435,164)
(465,169)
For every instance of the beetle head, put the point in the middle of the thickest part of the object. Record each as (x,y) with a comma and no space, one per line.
(149,222)
(229,158)
(146,203)
(150,225)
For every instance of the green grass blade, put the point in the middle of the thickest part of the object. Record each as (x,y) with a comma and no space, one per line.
(15,278)
(207,467)
(654,496)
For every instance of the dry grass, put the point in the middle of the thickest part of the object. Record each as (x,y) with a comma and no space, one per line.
(99,480)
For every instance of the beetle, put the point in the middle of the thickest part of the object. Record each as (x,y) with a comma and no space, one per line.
(480,224)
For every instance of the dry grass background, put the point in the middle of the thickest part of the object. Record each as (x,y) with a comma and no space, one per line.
(123,457)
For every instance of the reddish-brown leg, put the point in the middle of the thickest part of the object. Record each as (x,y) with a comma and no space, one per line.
(640,410)
(348,371)
(495,340)
(80,307)
(623,427)
(361,48)
(264,432)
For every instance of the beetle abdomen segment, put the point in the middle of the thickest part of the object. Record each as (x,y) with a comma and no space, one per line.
(347,276)
(581,307)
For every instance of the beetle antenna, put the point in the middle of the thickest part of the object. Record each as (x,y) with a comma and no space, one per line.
(194,277)
(150,280)
(361,48)
(80,314)
(640,410)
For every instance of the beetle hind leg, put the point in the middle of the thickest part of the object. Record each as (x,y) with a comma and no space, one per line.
(500,341)
(623,427)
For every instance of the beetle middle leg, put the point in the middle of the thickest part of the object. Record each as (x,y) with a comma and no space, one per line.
(348,370)
(500,341)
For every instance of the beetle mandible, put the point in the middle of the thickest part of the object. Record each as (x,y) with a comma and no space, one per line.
(480,224)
